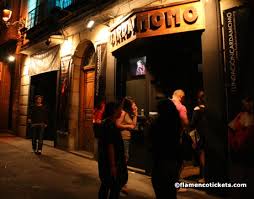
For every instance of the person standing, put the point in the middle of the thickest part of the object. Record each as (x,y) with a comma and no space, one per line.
(199,122)
(178,99)
(111,160)
(39,120)
(97,120)
(127,122)
(164,132)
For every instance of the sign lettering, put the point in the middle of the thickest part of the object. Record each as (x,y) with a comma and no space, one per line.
(169,20)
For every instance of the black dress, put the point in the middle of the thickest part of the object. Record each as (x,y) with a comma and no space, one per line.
(200,122)
(165,137)
(111,135)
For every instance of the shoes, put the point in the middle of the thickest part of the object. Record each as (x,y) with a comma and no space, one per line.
(125,190)
(38,152)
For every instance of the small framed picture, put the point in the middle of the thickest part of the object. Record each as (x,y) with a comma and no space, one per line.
(138,66)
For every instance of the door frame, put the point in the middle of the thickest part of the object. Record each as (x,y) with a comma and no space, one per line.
(84,70)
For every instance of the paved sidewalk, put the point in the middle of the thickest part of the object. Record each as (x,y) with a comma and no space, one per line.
(62,170)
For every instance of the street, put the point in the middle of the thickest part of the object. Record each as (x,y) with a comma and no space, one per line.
(59,174)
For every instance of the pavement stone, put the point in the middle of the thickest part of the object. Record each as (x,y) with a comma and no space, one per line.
(61,174)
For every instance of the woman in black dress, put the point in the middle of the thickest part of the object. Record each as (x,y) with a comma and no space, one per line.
(111,161)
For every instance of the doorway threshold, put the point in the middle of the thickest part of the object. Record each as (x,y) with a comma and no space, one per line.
(136,170)
(83,153)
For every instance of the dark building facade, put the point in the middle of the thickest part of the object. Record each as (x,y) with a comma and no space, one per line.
(182,44)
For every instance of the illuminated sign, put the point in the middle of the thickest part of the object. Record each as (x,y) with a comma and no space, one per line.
(167,20)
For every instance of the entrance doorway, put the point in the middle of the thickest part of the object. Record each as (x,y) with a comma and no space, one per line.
(174,62)
(45,84)
(86,138)
(87,81)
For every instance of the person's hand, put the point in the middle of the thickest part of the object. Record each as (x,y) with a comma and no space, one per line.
(113,171)
(194,145)
(131,126)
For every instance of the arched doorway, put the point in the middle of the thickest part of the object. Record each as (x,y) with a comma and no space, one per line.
(85,137)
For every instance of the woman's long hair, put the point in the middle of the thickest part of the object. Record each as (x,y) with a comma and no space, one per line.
(110,109)
(127,105)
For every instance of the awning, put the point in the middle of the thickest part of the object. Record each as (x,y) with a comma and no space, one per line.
(45,61)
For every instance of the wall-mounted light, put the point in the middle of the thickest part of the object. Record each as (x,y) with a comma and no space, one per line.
(11,58)
(90,24)
(6,16)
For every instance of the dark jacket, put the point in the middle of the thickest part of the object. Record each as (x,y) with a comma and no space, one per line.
(111,135)
(39,115)
(199,120)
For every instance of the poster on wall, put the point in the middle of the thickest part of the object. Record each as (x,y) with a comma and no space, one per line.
(100,72)
(63,95)
(235,40)
(138,66)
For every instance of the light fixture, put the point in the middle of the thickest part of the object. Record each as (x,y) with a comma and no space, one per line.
(6,15)
(90,24)
(11,58)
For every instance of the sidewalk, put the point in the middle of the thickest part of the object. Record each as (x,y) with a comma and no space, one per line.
(139,185)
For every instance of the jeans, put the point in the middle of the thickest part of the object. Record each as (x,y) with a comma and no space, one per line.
(37,135)
(126,149)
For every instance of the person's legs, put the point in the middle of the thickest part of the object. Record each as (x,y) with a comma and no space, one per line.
(202,165)
(34,138)
(96,148)
(126,153)
(40,138)
(103,191)
(115,191)
(126,149)
(163,180)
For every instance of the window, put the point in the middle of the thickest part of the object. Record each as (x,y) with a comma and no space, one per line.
(32,13)
(63,3)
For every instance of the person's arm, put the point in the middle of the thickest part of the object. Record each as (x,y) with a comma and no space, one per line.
(119,122)
(184,117)
(29,120)
(194,118)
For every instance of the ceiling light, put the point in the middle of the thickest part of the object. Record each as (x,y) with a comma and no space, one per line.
(90,24)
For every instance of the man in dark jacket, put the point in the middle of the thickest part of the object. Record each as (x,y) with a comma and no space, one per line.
(39,121)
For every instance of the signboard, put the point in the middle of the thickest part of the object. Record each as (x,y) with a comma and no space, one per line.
(235,40)
(64,92)
(167,20)
(100,71)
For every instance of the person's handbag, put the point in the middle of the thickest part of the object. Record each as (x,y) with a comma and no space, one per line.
(195,137)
